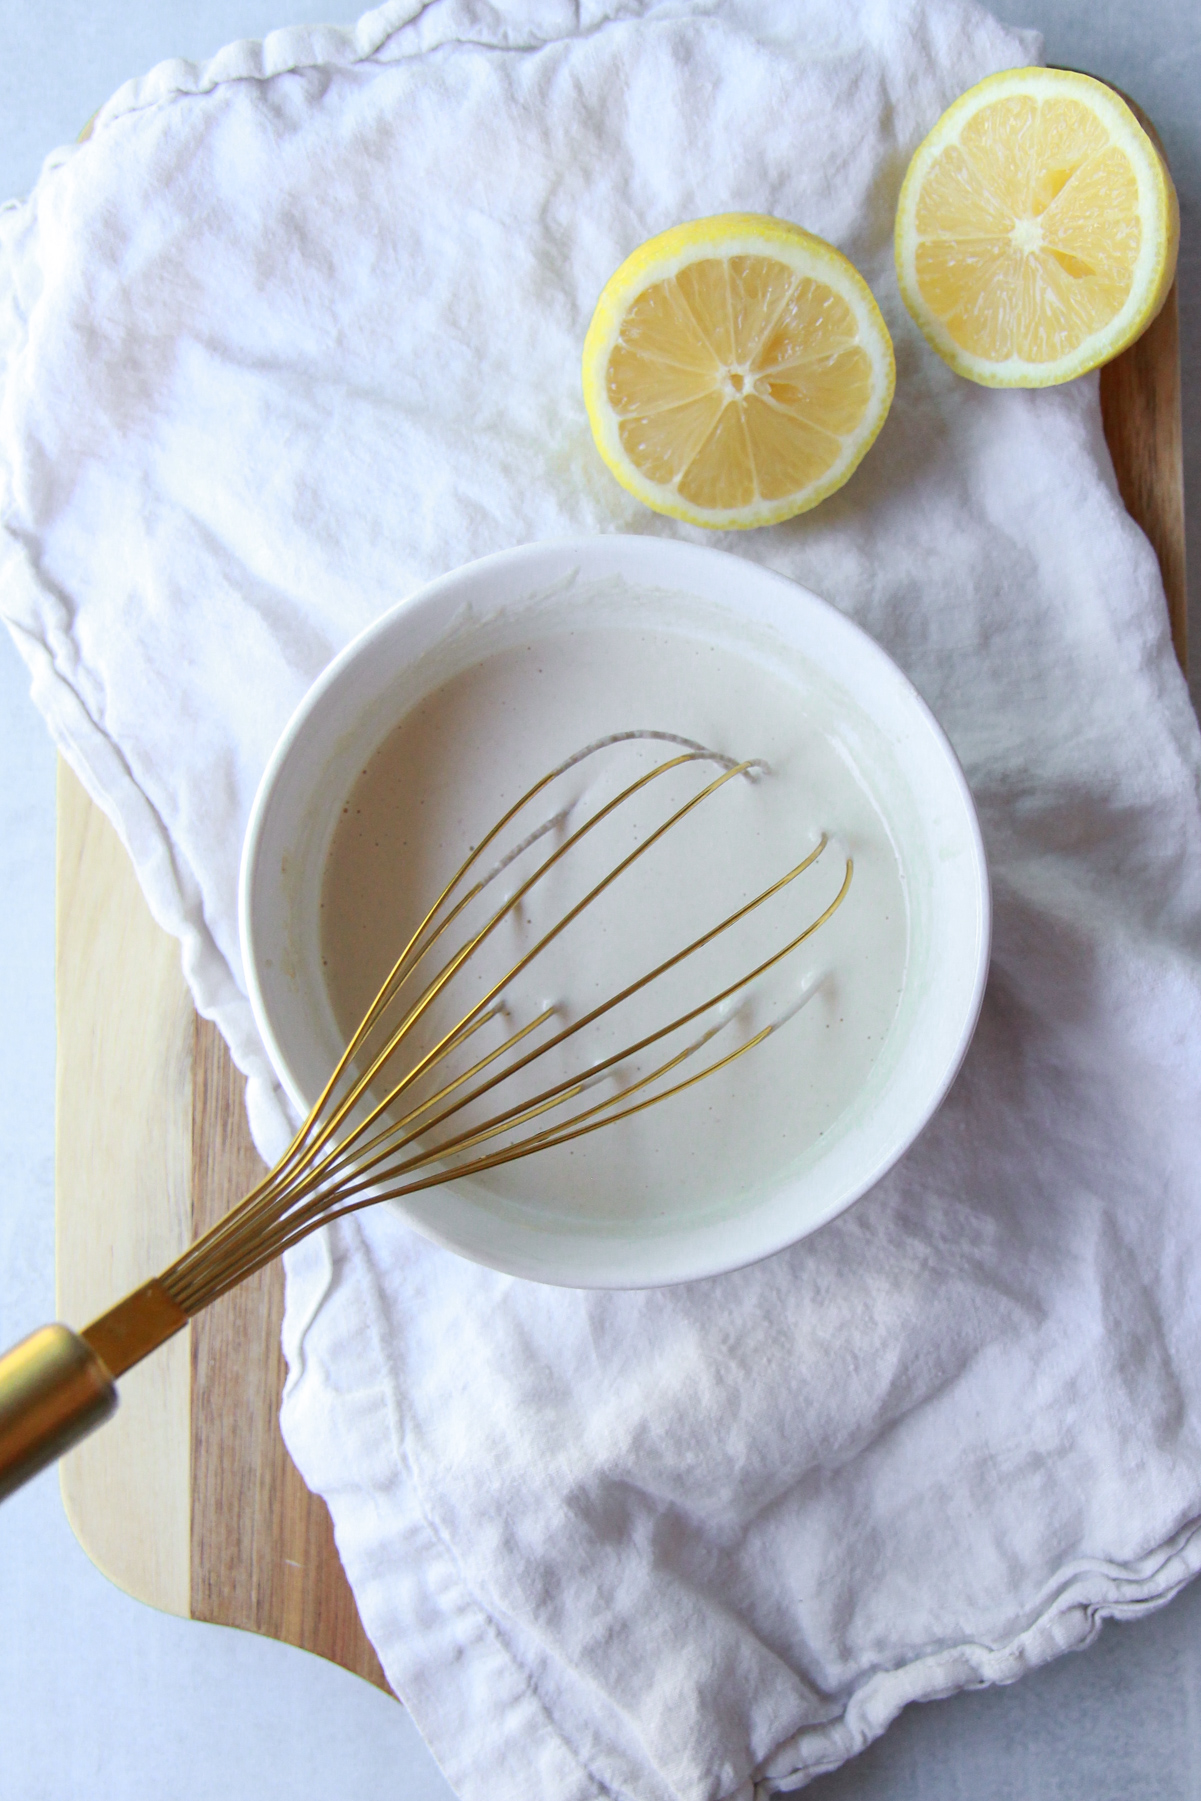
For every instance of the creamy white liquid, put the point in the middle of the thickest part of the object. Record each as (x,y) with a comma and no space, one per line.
(459,759)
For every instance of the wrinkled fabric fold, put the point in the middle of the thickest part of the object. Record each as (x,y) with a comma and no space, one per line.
(299,329)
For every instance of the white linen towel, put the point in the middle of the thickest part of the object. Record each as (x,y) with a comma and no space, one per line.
(299,329)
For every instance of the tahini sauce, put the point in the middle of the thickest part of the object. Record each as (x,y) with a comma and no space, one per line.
(462,756)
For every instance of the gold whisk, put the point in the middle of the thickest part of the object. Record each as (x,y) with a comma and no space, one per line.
(395,1118)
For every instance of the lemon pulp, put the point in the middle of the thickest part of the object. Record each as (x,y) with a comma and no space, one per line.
(1037,229)
(736,371)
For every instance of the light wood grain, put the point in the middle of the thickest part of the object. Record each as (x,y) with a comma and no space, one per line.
(123,1194)
(188,1498)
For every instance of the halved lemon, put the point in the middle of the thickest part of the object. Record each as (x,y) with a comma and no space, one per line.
(736,371)
(1037,229)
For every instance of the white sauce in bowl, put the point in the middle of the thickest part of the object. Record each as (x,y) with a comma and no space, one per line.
(466,752)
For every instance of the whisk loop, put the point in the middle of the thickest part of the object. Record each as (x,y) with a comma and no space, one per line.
(398,1115)
(336,1165)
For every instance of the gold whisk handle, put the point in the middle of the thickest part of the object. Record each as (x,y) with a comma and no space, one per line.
(53,1390)
(57,1385)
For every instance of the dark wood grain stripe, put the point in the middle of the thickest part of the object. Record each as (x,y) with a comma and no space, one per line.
(262,1547)
(1140,410)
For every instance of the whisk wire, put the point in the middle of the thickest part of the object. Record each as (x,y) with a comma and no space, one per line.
(337,1163)
(442,1116)
(616,1000)
(570,1086)
(366,1186)
(344,1108)
(525,1148)
(391,982)
(399,975)
(468,950)
(302,1147)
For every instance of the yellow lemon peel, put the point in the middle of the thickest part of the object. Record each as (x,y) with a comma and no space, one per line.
(1037,229)
(736,371)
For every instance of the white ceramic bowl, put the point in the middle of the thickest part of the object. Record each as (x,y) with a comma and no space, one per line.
(901,753)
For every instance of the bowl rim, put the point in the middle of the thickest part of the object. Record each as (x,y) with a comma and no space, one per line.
(616,548)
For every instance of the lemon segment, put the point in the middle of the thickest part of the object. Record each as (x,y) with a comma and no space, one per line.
(736,371)
(1037,229)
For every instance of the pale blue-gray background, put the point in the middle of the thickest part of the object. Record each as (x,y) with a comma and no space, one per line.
(105,1699)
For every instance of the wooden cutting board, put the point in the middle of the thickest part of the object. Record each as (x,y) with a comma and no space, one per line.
(188,1499)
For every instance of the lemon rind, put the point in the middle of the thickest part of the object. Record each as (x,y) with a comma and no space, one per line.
(732,234)
(1158,209)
